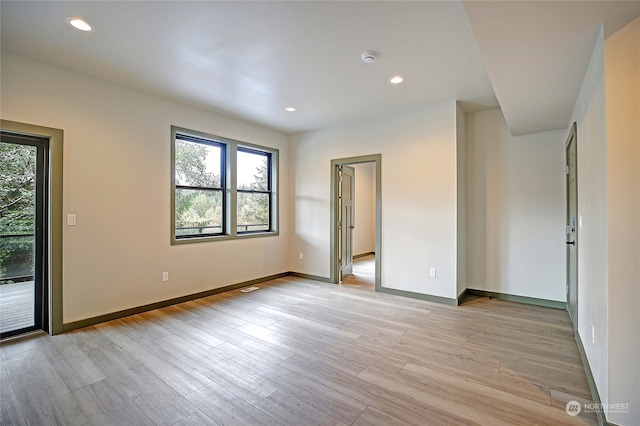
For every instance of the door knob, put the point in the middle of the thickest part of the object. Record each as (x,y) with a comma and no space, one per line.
(573,243)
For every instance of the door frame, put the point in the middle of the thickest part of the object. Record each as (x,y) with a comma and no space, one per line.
(334,205)
(40,246)
(53,217)
(345,225)
(573,135)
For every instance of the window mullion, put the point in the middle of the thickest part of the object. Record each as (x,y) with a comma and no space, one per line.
(232,181)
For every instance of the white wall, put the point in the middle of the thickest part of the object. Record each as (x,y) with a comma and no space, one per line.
(364,234)
(608,117)
(622,99)
(515,209)
(117,180)
(418,195)
(593,258)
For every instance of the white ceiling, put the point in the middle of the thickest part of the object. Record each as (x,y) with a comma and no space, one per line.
(536,54)
(252,59)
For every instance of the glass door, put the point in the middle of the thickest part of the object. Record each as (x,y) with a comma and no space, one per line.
(23,233)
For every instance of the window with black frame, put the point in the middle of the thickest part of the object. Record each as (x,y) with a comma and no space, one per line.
(221,188)
(200,182)
(254,189)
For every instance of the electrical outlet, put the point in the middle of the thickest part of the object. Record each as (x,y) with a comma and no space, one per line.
(432,272)
(301,256)
(71,219)
(165,276)
(593,334)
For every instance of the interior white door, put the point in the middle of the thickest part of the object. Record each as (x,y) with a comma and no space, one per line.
(346,220)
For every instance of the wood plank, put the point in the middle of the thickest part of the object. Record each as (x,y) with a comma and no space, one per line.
(228,409)
(563,353)
(245,341)
(182,349)
(143,327)
(181,328)
(6,388)
(292,412)
(374,417)
(92,337)
(21,345)
(337,405)
(73,366)
(10,413)
(245,385)
(432,396)
(197,419)
(503,404)
(41,394)
(440,354)
(183,378)
(512,385)
(301,343)
(182,311)
(219,317)
(242,309)
(154,397)
(328,328)
(105,404)
(395,404)
(574,383)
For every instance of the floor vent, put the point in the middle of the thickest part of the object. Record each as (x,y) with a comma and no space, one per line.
(248,289)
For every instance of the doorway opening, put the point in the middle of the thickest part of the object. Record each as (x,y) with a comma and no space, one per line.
(30,229)
(344,222)
(24,230)
(364,273)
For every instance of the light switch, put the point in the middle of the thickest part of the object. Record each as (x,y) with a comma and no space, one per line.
(71,220)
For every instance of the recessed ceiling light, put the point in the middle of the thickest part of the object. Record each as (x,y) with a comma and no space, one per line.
(79,24)
(396,80)
(290,109)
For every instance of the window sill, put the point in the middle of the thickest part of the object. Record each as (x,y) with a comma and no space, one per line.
(211,238)
(257,234)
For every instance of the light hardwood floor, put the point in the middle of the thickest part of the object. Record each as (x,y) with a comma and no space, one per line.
(364,274)
(299,352)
